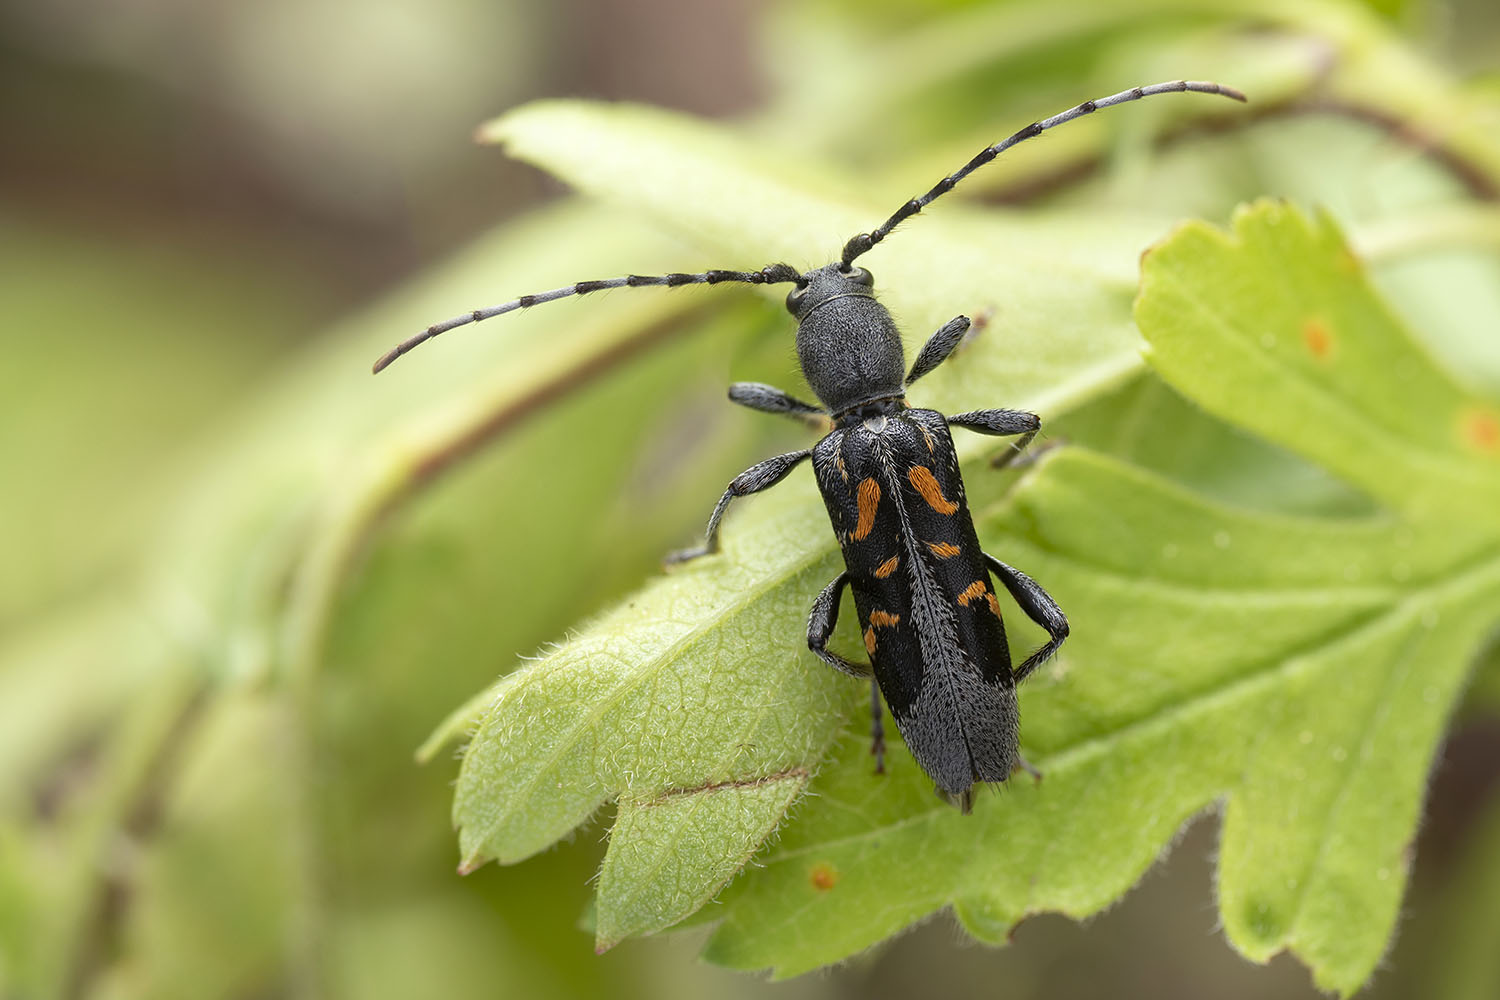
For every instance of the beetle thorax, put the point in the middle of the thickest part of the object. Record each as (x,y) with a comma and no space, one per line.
(847,342)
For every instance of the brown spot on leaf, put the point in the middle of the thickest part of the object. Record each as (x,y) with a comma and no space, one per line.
(1481,431)
(1318,338)
(823,876)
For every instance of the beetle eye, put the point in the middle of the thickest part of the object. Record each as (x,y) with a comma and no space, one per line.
(794,298)
(862,277)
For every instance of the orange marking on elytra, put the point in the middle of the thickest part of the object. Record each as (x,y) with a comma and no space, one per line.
(927,434)
(925,483)
(869,501)
(943,550)
(1318,338)
(870,641)
(994,604)
(884,618)
(1481,429)
(888,567)
(838,463)
(972,593)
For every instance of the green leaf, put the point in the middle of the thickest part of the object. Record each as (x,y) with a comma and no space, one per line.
(1298,670)
(1320,365)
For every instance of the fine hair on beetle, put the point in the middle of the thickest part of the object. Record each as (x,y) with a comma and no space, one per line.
(889,477)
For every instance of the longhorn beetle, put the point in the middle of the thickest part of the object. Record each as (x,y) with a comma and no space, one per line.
(890,480)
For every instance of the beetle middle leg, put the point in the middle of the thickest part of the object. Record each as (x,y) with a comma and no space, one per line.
(761,476)
(1001,423)
(820,625)
(1039,607)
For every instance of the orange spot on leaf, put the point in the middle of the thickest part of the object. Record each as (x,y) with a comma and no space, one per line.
(869,502)
(1481,430)
(1318,338)
(823,876)
(925,483)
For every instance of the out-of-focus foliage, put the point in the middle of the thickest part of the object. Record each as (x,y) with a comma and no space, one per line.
(206,784)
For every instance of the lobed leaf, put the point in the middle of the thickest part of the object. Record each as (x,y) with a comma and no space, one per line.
(1274,327)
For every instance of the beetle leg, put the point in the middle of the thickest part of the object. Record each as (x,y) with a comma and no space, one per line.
(1022,764)
(938,347)
(1039,607)
(754,479)
(1001,423)
(820,623)
(769,399)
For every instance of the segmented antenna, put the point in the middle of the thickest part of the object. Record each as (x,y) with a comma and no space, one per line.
(865,241)
(772,274)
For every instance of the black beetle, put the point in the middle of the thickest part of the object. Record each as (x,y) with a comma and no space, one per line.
(890,479)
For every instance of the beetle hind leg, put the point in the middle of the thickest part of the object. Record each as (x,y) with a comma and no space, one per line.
(1039,607)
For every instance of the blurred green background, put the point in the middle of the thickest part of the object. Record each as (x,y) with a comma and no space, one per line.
(242,581)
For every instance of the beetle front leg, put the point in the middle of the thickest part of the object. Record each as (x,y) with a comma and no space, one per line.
(1039,607)
(769,399)
(1001,423)
(754,479)
(938,347)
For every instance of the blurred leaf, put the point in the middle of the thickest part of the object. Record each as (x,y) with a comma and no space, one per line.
(1462,966)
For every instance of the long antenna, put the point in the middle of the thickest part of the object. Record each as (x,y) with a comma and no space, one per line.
(771,274)
(865,241)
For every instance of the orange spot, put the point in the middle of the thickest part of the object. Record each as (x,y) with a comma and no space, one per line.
(869,501)
(1318,338)
(888,567)
(994,604)
(884,618)
(823,877)
(943,550)
(870,641)
(1482,431)
(923,481)
(838,463)
(973,592)
(931,445)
